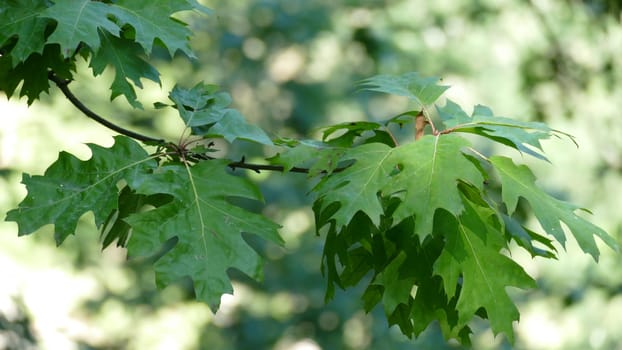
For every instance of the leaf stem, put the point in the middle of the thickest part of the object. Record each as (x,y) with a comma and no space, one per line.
(62,85)
(395,142)
(424,112)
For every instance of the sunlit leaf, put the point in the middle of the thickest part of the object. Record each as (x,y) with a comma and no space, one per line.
(519,181)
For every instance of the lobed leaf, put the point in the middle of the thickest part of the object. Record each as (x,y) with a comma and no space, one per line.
(79,21)
(71,187)
(152,22)
(233,126)
(205,110)
(423,90)
(207,227)
(20,19)
(402,267)
(518,181)
(119,34)
(33,73)
(432,169)
(317,156)
(522,136)
(357,187)
(124,56)
(418,173)
(201,105)
(472,260)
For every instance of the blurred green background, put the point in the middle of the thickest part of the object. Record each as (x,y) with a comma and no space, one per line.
(290,66)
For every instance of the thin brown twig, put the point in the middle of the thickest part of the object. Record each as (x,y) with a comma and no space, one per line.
(259,167)
(62,85)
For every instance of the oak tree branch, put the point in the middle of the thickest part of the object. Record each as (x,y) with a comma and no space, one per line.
(62,85)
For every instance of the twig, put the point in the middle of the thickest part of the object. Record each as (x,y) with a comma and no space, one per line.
(420,123)
(259,167)
(242,164)
(62,85)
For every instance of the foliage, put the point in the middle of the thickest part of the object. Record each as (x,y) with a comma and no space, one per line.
(417,222)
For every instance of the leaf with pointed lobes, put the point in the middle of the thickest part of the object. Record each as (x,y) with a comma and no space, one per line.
(152,22)
(31,75)
(79,21)
(205,110)
(125,56)
(317,156)
(423,174)
(20,20)
(71,187)
(518,181)
(424,91)
(207,227)
(520,135)
(472,259)
(357,187)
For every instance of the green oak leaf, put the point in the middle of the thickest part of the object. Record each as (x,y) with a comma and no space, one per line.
(33,72)
(233,126)
(396,286)
(526,238)
(356,133)
(357,264)
(124,56)
(71,187)
(114,228)
(206,226)
(205,110)
(353,130)
(79,21)
(317,156)
(130,202)
(472,258)
(152,22)
(348,254)
(357,187)
(430,304)
(416,172)
(424,91)
(20,19)
(433,167)
(518,181)
(201,105)
(522,136)
(452,114)
(9,77)
(402,118)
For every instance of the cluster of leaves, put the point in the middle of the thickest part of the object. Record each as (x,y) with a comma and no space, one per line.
(418,222)
(423,219)
(40,35)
